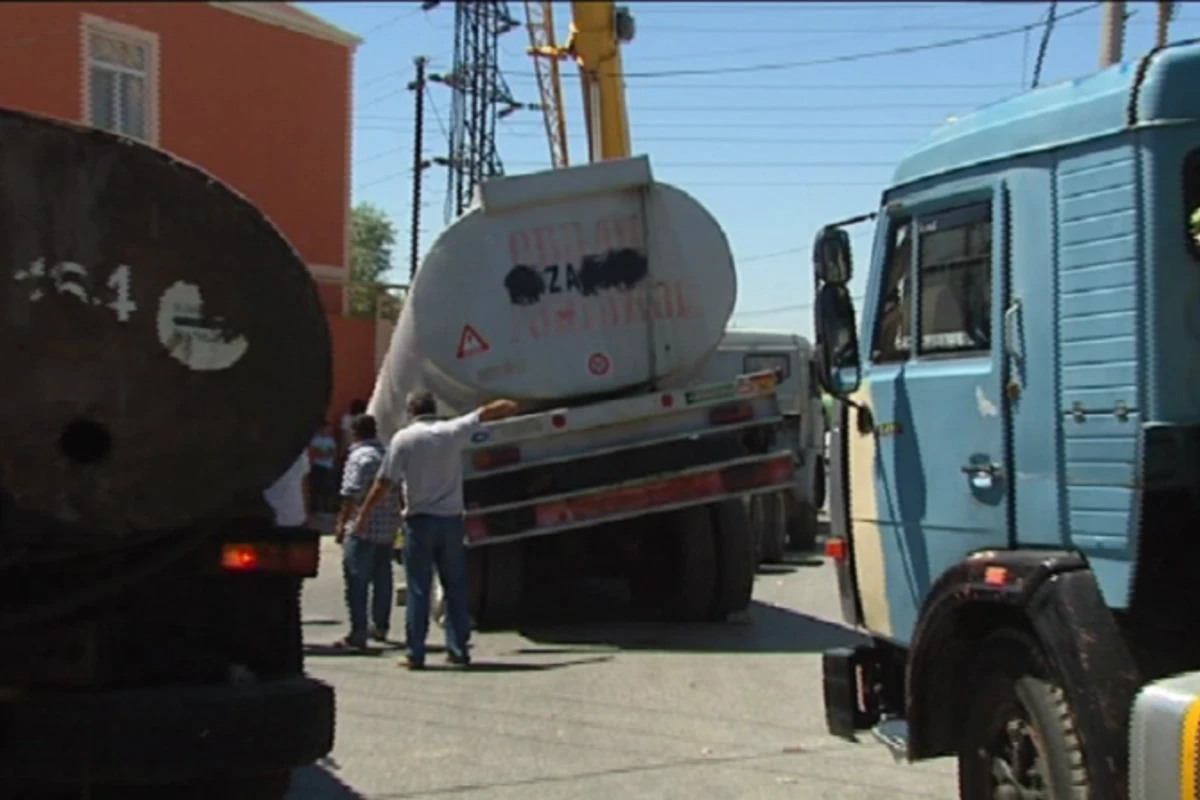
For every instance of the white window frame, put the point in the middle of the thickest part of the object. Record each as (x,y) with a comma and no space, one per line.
(89,24)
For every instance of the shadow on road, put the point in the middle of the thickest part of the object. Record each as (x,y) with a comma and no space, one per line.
(770,630)
(502,667)
(791,563)
(316,782)
(323,650)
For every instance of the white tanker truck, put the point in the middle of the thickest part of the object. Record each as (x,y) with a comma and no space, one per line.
(594,296)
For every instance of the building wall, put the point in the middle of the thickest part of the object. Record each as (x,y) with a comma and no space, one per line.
(265,109)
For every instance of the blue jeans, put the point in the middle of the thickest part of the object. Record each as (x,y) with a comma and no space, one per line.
(367,567)
(431,541)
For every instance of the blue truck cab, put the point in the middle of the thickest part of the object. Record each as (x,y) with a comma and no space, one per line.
(1014,483)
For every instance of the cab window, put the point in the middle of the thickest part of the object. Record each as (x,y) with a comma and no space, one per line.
(760,362)
(955,263)
(1191,202)
(893,327)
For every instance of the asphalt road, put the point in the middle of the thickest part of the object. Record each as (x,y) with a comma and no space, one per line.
(596,707)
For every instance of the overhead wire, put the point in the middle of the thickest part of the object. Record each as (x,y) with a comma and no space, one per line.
(1045,44)
(850,57)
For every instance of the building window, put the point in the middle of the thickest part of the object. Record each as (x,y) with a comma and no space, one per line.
(119,66)
(956,280)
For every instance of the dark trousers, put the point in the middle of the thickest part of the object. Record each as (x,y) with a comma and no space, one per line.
(431,542)
(367,568)
(322,488)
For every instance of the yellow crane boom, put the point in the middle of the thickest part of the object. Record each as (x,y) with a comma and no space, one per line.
(597,31)
(539,19)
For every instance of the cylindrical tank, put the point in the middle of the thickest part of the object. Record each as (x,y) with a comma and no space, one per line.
(563,284)
(163,350)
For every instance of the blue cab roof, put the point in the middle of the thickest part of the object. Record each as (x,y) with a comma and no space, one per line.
(1071,111)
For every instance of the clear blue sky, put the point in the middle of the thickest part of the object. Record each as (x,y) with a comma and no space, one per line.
(773,153)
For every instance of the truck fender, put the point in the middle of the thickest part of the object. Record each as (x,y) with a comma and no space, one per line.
(1052,594)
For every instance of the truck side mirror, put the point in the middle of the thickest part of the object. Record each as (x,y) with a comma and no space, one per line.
(831,256)
(839,368)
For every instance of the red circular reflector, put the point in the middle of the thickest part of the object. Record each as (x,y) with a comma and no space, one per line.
(558,420)
(667,400)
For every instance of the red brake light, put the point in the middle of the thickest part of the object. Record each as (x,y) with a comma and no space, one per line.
(667,400)
(731,413)
(239,557)
(835,549)
(496,457)
(289,558)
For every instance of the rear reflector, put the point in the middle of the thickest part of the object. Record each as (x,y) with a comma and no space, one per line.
(835,549)
(731,413)
(289,558)
(496,457)
(476,528)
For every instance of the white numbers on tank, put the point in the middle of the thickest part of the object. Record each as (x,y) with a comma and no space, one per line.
(69,277)
(123,305)
(193,339)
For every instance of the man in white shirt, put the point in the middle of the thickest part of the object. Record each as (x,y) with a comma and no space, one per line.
(288,496)
(426,457)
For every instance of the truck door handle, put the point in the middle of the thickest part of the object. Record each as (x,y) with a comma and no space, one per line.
(983,476)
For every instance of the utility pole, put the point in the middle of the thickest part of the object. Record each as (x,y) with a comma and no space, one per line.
(1112,33)
(417,86)
(1166,12)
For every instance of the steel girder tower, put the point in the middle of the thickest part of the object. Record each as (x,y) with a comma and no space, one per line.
(481,97)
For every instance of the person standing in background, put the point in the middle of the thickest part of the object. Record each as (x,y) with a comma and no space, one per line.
(289,495)
(426,459)
(366,544)
(345,437)
(322,451)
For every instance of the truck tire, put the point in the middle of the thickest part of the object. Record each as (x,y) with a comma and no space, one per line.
(802,526)
(503,586)
(770,525)
(736,560)
(696,564)
(1019,731)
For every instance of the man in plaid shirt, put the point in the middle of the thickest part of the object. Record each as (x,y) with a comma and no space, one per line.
(366,547)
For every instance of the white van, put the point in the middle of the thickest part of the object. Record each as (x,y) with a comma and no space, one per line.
(787,518)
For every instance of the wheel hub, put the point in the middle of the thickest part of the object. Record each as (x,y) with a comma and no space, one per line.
(1017,760)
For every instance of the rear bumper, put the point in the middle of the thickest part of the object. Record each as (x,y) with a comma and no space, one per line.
(167,735)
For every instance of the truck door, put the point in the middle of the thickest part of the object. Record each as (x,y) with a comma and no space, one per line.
(930,482)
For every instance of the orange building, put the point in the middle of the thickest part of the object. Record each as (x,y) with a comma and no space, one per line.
(259,94)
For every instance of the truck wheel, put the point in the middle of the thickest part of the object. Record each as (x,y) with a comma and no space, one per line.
(802,526)
(736,560)
(503,586)
(695,568)
(1019,739)
(771,527)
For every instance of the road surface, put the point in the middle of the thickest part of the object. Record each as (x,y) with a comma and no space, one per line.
(598,709)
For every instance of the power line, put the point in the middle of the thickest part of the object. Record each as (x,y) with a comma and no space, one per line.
(689,184)
(732,32)
(743,164)
(693,124)
(755,312)
(774,107)
(807,8)
(809,87)
(853,57)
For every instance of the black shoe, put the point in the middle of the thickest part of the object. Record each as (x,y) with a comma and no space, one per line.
(458,661)
(412,664)
(379,634)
